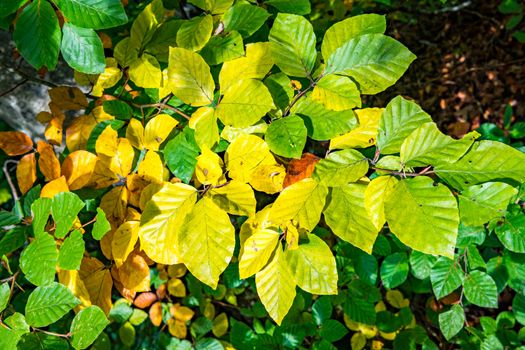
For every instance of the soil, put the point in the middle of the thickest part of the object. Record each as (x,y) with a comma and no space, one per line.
(468,68)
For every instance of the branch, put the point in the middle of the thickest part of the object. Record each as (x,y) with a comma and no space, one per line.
(299,95)
(8,178)
(8,91)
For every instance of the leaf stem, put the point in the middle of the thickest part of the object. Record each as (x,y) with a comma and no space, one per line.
(67,335)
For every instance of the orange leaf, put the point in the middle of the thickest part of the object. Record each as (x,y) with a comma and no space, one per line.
(26,172)
(15,143)
(155,313)
(145,299)
(134,273)
(68,98)
(77,134)
(299,169)
(47,161)
(78,168)
(54,187)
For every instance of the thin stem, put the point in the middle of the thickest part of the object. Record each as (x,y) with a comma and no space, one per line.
(301,94)
(67,335)
(163,105)
(402,173)
(9,180)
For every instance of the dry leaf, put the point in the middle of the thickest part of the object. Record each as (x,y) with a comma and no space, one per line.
(26,172)
(68,98)
(299,169)
(15,143)
(78,168)
(48,161)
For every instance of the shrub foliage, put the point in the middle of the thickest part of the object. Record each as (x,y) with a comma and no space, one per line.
(221,162)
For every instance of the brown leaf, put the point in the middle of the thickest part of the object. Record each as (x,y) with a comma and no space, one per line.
(48,161)
(26,172)
(299,169)
(15,143)
(68,98)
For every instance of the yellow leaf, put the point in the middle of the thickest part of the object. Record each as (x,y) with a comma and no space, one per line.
(377,191)
(114,203)
(255,65)
(136,184)
(303,202)
(268,178)
(292,237)
(164,90)
(102,176)
(157,130)
(182,313)
(147,194)
(364,135)
(176,288)
(26,172)
(134,274)
(256,251)
(358,341)
(230,133)
(53,132)
(189,77)
(71,279)
(177,270)
(209,310)
(107,142)
(109,78)
(122,162)
(54,187)
(77,133)
(124,240)
(396,299)
(145,72)
(48,161)
(100,115)
(235,197)
(209,167)
(98,282)
(135,133)
(15,143)
(161,220)
(78,168)
(68,98)
(204,122)
(220,325)
(245,154)
(177,328)
(151,167)
(206,241)
(276,287)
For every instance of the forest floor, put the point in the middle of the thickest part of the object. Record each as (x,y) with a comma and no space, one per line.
(469,68)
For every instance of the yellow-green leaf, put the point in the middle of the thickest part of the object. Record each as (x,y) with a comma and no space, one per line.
(235,197)
(376,193)
(364,135)
(206,241)
(195,33)
(145,72)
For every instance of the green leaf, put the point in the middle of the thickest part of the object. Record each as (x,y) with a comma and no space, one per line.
(213,6)
(82,49)
(37,35)
(118,109)
(518,307)
(337,93)
(341,167)
(94,14)
(374,61)
(323,123)
(480,289)
(206,241)
(313,266)
(287,136)
(65,207)
(341,32)
(5,293)
(126,52)
(347,217)
(427,145)
(145,26)
(421,264)
(189,77)
(222,48)
(244,103)
(452,321)
(208,344)
(193,34)
(9,7)
(145,72)
(479,204)
(298,7)
(293,50)
(48,304)
(13,239)
(244,18)
(322,310)
(38,260)
(280,87)
(181,154)
(71,251)
(474,258)
(399,119)
(394,270)
(276,287)
(512,233)
(424,216)
(446,276)
(332,330)
(360,310)
(41,209)
(486,161)
(87,326)
(8,338)
(101,226)
(121,311)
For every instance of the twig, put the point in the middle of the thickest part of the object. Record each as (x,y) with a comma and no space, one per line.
(14,87)
(67,335)
(8,178)
(402,173)
(299,95)
(163,105)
